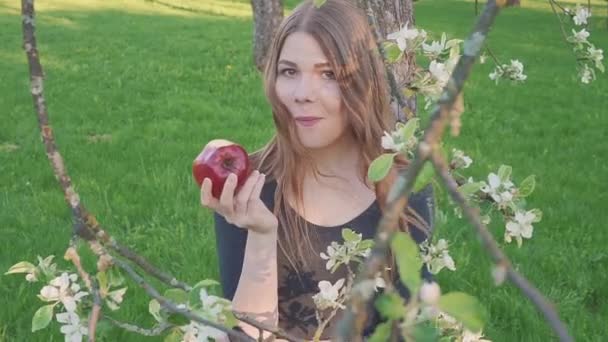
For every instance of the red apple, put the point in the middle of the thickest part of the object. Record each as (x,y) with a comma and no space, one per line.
(217,160)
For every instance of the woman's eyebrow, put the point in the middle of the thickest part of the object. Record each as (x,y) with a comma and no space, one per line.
(318,65)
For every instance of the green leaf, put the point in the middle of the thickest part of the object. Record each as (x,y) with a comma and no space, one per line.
(464,308)
(504,172)
(115,278)
(409,129)
(469,189)
(527,186)
(177,296)
(408,260)
(21,267)
(154,309)
(102,279)
(380,167)
(207,282)
(425,332)
(230,320)
(175,335)
(382,333)
(319,3)
(194,297)
(365,244)
(350,236)
(177,319)
(539,215)
(424,177)
(392,52)
(390,306)
(42,317)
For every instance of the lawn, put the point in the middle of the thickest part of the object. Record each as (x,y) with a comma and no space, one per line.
(135,89)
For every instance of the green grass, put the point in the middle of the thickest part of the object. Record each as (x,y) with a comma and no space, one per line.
(161,82)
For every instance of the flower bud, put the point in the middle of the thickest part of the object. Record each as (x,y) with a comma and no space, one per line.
(430,293)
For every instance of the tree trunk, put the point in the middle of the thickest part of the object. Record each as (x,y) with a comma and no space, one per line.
(390,16)
(267,16)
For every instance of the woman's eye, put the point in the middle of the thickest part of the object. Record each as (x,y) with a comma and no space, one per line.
(287,72)
(329,75)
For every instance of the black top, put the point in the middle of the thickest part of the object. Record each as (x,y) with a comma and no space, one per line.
(296,307)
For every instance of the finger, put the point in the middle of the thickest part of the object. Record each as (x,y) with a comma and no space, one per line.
(257,190)
(226,204)
(207,199)
(243,194)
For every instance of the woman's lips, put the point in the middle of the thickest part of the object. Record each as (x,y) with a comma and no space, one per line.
(307,121)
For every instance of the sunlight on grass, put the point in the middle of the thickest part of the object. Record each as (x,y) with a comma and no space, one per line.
(598,7)
(188,8)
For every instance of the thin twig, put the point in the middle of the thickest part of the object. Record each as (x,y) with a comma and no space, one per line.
(278,332)
(561,22)
(85,224)
(172,307)
(95,312)
(148,267)
(491,247)
(156,331)
(71,254)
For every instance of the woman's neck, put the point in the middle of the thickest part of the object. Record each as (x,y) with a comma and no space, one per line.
(341,159)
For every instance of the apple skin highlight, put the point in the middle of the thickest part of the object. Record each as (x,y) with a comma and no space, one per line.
(217,160)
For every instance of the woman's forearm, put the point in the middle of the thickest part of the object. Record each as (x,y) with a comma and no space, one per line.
(256,294)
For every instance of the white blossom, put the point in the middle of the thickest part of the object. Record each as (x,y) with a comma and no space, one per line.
(63,289)
(581,15)
(435,48)
(211,304)
(520,227)
(482,58)
(501,192)
(579,37)
(513,71)
(334,253)
(461,160)
(596,55)
(437,256)
(439,72)
(31,277)
(388,142)
(469,336)
(328,295)
(586,74)
(405,35)
(71,328)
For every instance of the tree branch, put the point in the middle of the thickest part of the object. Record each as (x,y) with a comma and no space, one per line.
(161,328)
(351,325)
(96,312)
(85,224)
(172,307)
(278,332)
(491,247)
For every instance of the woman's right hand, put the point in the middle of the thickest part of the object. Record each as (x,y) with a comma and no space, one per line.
(244,208)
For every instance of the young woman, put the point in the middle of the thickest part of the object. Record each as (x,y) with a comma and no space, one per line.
(326,85)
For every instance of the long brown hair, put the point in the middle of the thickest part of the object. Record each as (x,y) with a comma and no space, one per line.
(342,31)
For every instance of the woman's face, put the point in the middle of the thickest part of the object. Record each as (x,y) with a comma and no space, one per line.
(307,86)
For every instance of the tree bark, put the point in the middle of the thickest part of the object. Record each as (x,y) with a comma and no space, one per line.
(267,16)
(390,16)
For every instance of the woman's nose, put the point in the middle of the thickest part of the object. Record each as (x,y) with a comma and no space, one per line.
(305,90)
